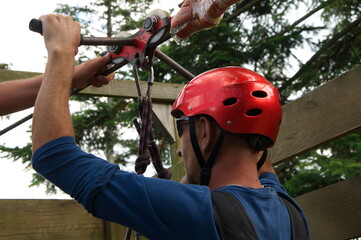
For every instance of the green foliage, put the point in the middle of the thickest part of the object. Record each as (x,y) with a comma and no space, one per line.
(17,153)
(333,162)
(270,37)
(79,13)
(122,15)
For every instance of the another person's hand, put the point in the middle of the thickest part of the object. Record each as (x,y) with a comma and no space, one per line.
(198,15)
(89,73)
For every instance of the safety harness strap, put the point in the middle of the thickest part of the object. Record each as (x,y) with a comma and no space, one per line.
(147,146)
(233,222)
(231,218)
(299,229)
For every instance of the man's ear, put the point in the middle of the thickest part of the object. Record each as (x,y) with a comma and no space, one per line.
(206,133)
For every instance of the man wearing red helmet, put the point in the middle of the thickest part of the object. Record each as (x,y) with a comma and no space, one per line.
(226,117)
(239,101)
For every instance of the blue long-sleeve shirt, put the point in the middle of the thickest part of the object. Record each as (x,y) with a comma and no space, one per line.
(156,208)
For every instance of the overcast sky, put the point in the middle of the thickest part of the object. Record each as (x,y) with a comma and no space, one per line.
(25,51)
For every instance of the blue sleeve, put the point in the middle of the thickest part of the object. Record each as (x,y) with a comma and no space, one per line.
(59,162)
(269,179)
(159,209)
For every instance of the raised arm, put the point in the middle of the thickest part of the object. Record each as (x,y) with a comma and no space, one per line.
(51,114)
(21,94)
(18,95)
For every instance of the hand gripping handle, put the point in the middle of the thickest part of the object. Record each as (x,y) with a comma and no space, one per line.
(36,25)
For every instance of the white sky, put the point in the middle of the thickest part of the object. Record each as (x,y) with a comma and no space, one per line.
(26,52)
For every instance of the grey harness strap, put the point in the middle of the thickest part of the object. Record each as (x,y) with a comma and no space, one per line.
(299,229)
(233,222)
(231,218)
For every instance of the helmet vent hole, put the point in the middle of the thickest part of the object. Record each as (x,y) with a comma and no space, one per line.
(259,94)
(230,101)
(254,112)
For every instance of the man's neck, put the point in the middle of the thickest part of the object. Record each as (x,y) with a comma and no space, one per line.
(233,179)
(235,171)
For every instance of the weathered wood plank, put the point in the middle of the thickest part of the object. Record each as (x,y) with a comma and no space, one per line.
(320,116)
(53,219)
(334,212)
(7,75)
(47,219)
(161,92)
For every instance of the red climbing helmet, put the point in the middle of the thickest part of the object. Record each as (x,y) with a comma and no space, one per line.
(240,100)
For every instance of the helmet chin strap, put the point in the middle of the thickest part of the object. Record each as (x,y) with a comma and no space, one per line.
(262,160)
(206,167)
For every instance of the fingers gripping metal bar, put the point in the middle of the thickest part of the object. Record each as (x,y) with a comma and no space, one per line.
(36,25)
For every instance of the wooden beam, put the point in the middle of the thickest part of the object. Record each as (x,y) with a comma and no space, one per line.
(47,219)
(334,212)
(326,113)
(8,75)
(53,219)
(161,92)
